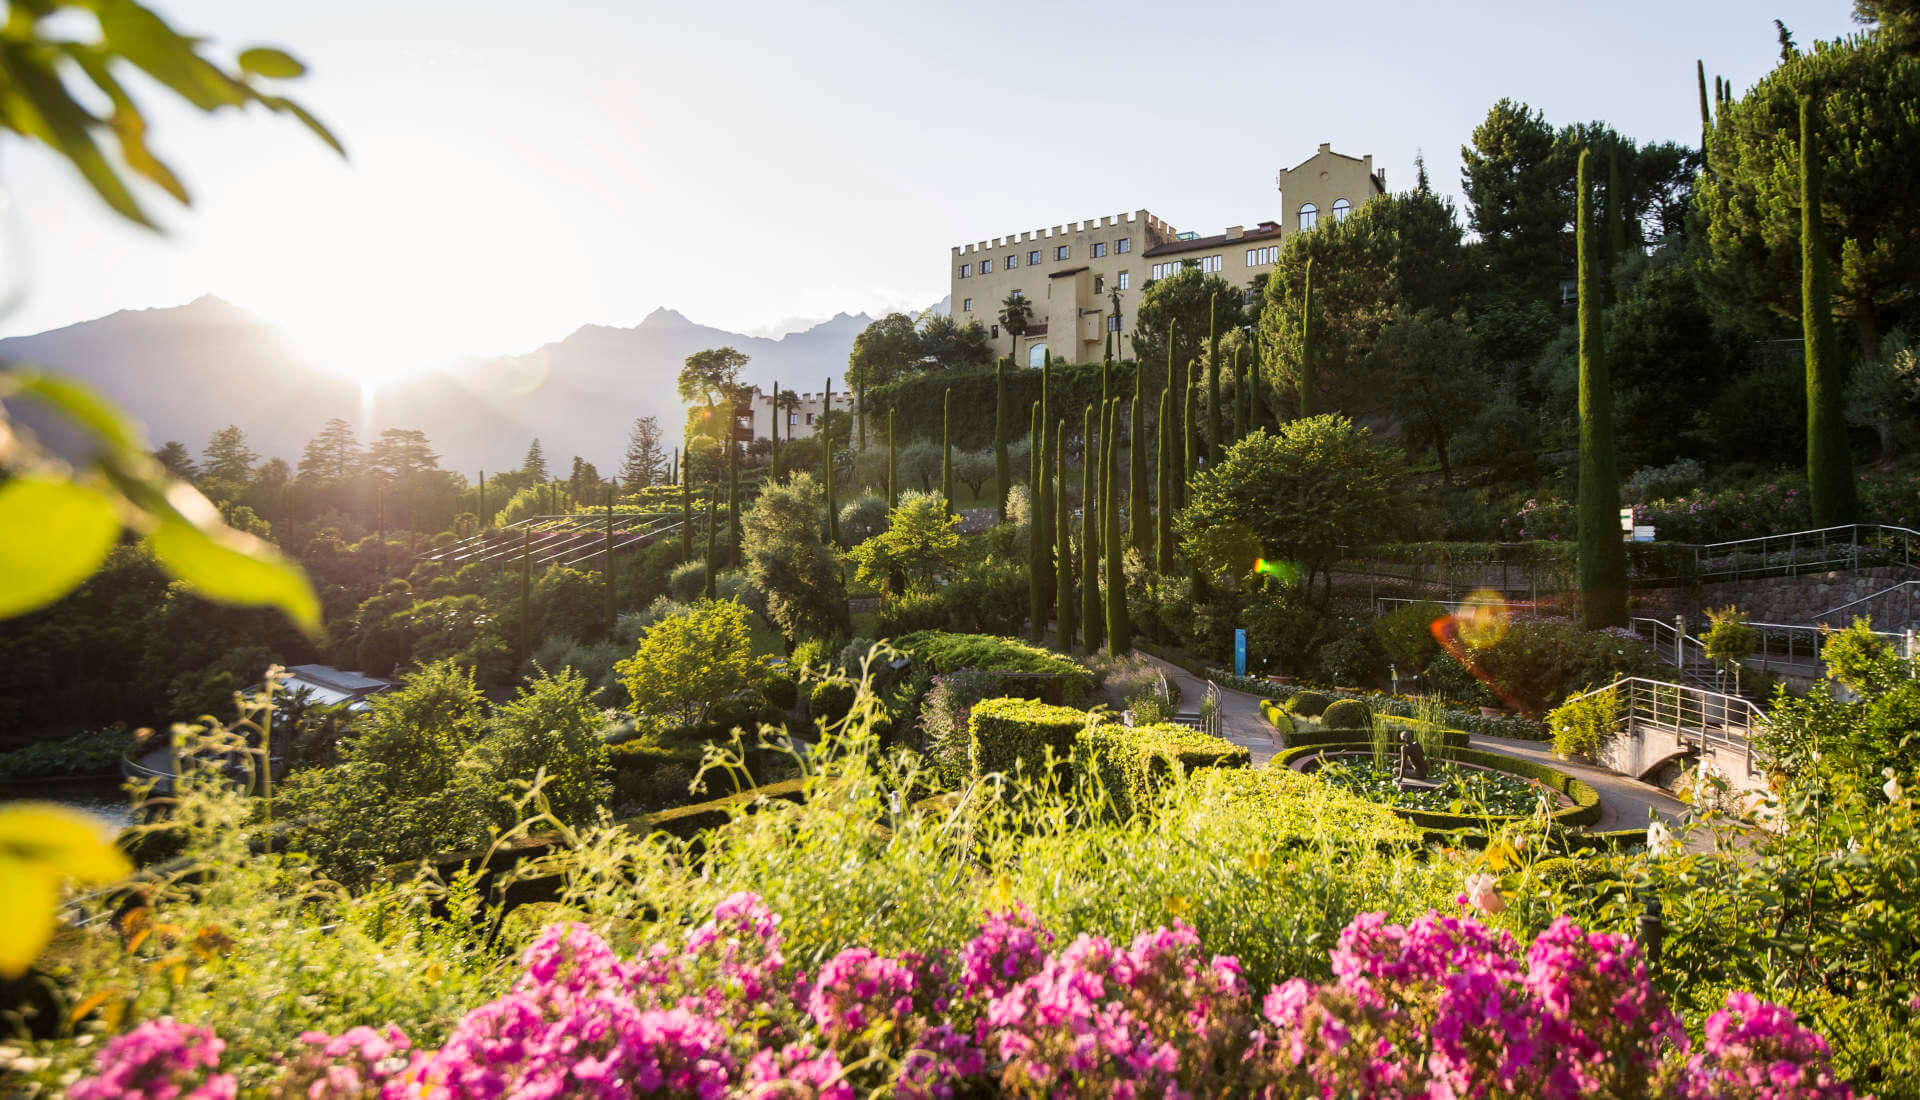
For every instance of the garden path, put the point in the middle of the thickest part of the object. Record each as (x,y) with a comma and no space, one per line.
(1240,719)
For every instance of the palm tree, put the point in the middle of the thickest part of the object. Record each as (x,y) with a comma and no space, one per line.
(1016,313)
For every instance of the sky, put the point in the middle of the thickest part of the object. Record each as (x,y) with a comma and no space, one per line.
(518,170)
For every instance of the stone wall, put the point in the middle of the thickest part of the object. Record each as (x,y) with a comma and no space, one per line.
(1793,600)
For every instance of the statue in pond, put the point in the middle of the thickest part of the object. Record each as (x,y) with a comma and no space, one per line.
(1413,759)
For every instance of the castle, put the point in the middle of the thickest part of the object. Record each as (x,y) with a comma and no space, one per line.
(1083,279)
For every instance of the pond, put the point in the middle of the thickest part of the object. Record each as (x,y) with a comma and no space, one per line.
(100,798)
(1462,789)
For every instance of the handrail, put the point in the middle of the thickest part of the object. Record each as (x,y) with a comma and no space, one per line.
(1711,717)
(1796,534)
(1864,599)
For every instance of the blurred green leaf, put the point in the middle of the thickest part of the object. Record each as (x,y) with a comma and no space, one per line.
(35,102)
(53,535)
(145,39)
(78,402)
(270,63)
(225,565)
(282,103)
(129,126)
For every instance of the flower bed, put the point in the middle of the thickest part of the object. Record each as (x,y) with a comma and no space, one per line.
(1452,716)
(1458,787)
(1443,1005)
(1585,808)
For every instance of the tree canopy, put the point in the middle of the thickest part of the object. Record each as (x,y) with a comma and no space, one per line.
(1185,298)
(709,376)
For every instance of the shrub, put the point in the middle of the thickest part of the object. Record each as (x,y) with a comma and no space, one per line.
(1651,483)
(780,690)
(1352,659)
(988,596)
(1582,725)
(687,581)
(688,661)
(949,652)
(911,611)
(1005,735)
(1347,714)
(1132,762)
(649,775)
(1406,634)
(830,700)
(1729,640)
(863,517)
(1309,704)
(95,753)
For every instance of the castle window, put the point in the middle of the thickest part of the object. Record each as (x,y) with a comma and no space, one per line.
(1033,258)
(1013,260)
(1259,256)
(966,271)
(1124,281)
(1123,245)
(1099,284)
(1309,216)
(966,305)
(1210,263)
(986,267)
(996,332)
(809,418)
(1060,253)
(1099,249)
(1341,208)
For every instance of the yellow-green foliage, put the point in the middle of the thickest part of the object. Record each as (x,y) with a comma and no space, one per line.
(1347,714)
(688,662)
(1300,807)
(1582,724)
(1132,762)
(1278,717)
(1008,734)
(948,652)
(1309,704)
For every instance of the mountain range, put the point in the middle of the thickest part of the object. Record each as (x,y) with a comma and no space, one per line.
(188,371)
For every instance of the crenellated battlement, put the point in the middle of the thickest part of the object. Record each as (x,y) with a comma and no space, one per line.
(1138,218)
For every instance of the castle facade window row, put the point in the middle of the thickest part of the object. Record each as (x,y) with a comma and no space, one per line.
(1011,260)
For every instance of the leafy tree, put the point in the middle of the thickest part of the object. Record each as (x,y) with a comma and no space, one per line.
(1669,356)
(646,458)
(1436,387)
(1860,87)
(711,376)
(975,469)
(885,350)
(176,460)
(1602,559)
(1187,300)
(402,453)
(946,344)
(687,663)
(333,454)
(922,461)
(1298,496)
(787,559)
(921,539)
(1899,21)
(1881,390)
(1397,253)
(550,725)
(227,457)
(535,464)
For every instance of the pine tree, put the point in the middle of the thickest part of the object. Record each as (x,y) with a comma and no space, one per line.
(946,449)
(535,464)
(1213,384)
(1306,345)
(1036,559)
(1002,468)
(227,457)
(641,465)
(1163,542)
(332,455)
(1119,630)
(1829,465)
(1139,517)
(1617,206)
(1602,557)
(1090,612)
(1063,535)
(893,465)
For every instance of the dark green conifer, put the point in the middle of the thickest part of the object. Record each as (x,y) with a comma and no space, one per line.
(1165,467)
(1002,468)
(1213,384)
(826,464)
(893,465)
(1829,464)
(1090,611)
(1119,630)
(713,563)
(1036,552)
(1602,556)
(1306,345)
(1139,516)
(946,449)
(1063,538)
(1706,113)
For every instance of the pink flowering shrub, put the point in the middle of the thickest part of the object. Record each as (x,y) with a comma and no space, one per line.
(1442,1007)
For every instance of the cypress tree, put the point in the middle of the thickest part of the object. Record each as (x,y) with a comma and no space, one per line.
(1163,542)
(686,517)
(773,432)
(1036,560)
(893,465)
(1306,345)
(1043,504)
(1602,557)
(1706,114)
(1119,631)
(826,463)
(946,449)
(1107,356)
(733,503)
(1239,394)
(1090,477)
(860,415)
(1213,384)
(1189,455)
(1002,468)
(713,564)
(1829,466)
(1063,536)
(613,613)
(1139,509)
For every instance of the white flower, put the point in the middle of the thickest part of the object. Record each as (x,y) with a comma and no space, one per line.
(1892,787)
(1484,894)
(1660,839)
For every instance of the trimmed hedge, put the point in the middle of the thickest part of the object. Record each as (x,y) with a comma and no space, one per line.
(1584,811)
(1278,719)
(1005,734)
(947,652)
(1347,714)
(1309,704)
(1453,716)
(1133,761)
(1291,735)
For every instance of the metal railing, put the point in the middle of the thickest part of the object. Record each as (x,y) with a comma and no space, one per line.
(578,538)
(1821,549)
(1823,617)
(1524,608)
(1790,644)
(1683,651)
(1695,716)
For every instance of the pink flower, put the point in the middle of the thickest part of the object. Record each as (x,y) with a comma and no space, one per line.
(1483,893)
(161,1059)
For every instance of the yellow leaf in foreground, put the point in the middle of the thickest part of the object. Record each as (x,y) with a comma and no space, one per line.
(40,845)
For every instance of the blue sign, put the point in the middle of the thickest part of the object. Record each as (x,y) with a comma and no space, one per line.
(1240,652)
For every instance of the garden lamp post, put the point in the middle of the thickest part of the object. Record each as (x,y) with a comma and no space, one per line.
(1651,931)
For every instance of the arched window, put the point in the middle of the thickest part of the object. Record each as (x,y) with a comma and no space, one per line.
(1037,355)
(1309,216)
(1341,208)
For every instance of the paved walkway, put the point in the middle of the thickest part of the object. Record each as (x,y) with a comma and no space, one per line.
(1625,803)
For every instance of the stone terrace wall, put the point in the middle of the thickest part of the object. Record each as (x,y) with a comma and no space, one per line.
(1790,599)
